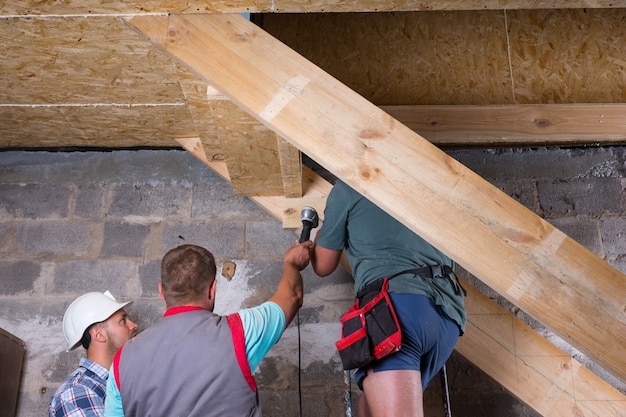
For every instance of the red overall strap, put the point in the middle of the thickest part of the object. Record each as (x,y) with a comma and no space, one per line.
(239,341)
(116,368)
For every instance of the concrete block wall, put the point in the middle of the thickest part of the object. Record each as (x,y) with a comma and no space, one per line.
(73,222)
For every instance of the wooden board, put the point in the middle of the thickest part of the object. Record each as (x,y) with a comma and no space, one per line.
(521,125)
(250,151)
(538,373)
(94,126)
(12,354)
(20,7)
(534,265)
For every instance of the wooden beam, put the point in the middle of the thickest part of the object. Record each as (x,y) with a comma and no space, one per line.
(95,7)
(530,262)
(538,373)
(515,125)
(514,355)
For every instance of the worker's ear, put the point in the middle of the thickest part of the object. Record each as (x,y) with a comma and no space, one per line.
(161,292)
(98,334)
(212,290)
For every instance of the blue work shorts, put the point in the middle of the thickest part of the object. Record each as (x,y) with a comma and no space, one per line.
(428,338)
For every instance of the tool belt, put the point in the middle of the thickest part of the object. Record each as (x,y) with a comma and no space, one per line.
(370,328)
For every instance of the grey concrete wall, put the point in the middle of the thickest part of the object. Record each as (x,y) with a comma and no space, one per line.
(73,222)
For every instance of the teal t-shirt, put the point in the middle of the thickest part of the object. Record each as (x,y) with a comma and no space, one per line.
(379,246)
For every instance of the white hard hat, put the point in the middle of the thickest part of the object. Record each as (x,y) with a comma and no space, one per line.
(86,310)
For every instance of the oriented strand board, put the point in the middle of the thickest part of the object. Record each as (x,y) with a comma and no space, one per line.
(93,126)
(80,60)
(250,150)
(195,91)
(467,57)
(406,58)
(568,56)
(87,82)
(22,7)
(124,7)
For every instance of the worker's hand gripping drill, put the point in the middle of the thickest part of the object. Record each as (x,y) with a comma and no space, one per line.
(299,254)
(310,220)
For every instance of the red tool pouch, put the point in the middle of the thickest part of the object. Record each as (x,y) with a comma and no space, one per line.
(370,329)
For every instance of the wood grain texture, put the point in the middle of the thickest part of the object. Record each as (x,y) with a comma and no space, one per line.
(134,7)
(510,125)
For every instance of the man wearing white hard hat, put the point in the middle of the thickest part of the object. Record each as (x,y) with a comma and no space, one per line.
(100,324)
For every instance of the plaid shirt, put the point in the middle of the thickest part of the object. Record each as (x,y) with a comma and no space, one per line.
(82,392)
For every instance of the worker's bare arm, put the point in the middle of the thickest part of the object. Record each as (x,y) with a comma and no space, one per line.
(289,294)
(324,261)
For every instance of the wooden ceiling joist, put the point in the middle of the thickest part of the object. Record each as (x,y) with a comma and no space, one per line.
(530,262)
(515,125)
(95,7)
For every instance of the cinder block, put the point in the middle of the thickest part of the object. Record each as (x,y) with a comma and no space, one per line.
(268,239)
(222,239)
(5,239)
(34,201)
(124,240)
(217,200)
(524,191)
(583,230)
(18,277)
(613,232)
(150,200)
(56,237)
(593,196)
(150,276)
(80,276)
(89,201)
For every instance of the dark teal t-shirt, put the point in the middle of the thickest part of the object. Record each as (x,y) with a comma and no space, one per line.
(378,246)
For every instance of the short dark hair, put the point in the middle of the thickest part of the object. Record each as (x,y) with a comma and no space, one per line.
(86,339)
(187,271)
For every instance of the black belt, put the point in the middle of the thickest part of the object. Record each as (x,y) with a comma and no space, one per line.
(432,271)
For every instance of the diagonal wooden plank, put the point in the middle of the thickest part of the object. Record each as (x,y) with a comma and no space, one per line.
(530,262)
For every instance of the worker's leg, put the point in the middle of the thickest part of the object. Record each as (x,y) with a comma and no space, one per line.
(392,393)
(397,381)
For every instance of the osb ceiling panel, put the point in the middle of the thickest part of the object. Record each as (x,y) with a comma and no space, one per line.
(406,58)
(88,82)
(75,60)
(464,58)
(568,56)
(92,7)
